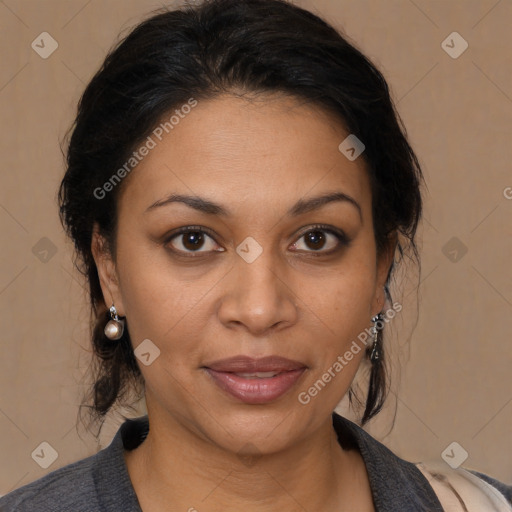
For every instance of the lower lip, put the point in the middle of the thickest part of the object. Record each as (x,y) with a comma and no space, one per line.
(254,390)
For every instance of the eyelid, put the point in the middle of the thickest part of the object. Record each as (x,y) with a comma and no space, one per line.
(343,239)
(324,227)
(189,229)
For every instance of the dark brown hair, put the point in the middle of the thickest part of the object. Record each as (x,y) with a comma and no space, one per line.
(202,51)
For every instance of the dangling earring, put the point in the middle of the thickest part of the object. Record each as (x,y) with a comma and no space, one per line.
(115,327)
(375,354)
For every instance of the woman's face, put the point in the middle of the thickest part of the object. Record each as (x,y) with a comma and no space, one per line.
(255,276)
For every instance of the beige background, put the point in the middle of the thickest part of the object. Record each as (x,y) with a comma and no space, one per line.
(456,364)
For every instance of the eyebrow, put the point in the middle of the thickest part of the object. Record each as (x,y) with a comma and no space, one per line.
(300,207)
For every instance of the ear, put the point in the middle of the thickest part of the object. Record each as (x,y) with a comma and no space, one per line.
(384,262)
(107,271)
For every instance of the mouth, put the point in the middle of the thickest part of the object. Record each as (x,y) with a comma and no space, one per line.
(255,381)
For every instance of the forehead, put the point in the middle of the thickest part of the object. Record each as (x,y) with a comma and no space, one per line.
(268,151)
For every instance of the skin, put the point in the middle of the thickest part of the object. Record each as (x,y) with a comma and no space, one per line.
(256,158)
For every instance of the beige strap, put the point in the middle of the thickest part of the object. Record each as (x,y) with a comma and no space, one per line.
(460,490)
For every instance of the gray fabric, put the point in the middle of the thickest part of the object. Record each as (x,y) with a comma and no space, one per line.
(100,483)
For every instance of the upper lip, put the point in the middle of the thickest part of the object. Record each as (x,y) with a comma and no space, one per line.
(246,364)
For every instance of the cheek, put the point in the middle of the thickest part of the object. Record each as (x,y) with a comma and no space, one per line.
(343,303)
(161,301)
(346,296)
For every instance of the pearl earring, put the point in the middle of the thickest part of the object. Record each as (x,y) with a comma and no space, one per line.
(115,327)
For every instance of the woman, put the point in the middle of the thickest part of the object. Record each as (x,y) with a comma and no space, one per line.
(238,185)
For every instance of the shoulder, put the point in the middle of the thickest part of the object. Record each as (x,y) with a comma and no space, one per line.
(71,487)
(424,486)
(459,488)
(396,483)
(98,482)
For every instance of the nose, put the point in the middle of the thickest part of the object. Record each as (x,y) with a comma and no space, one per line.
(259,296)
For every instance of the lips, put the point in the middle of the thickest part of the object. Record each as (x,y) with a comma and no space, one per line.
(255,381)
(245,364)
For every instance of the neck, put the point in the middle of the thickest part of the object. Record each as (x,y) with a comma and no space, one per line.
(176,466)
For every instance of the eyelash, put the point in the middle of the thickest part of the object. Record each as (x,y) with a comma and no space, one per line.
(343,240)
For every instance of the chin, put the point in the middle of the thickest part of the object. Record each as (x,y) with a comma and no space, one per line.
(255,429)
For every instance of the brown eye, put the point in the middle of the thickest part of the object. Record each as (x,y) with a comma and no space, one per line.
(315,240)
(192,240)
(322,240)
